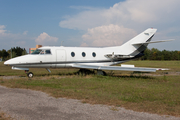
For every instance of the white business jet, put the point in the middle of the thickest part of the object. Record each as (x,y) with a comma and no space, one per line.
(87,57)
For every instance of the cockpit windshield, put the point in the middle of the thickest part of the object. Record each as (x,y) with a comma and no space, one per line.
(37,51)
(42,52)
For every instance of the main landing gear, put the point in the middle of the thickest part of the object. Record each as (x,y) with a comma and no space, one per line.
(87,72)
(29,74)
(100,72)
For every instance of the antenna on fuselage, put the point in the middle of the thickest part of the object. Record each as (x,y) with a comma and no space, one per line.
(62,43)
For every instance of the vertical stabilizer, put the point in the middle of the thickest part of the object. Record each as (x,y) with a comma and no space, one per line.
(135,49)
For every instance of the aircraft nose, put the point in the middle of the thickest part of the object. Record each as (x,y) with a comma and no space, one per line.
(16,60)
(9,62)
(6,62)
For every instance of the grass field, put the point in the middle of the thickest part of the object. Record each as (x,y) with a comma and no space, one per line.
(173,65)
(154,93)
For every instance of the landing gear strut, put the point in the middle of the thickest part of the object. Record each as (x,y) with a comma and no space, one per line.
(29,74)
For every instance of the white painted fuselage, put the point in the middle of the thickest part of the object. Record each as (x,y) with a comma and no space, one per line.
(62,57)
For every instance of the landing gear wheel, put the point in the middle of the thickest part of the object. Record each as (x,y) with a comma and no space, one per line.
(30,74)
(85,72)
(100,72)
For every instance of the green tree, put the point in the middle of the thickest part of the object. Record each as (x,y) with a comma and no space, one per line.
(167,55)
(5,54)
(24,52)
(146,54)
(17,51)
(0,53)
(155,54)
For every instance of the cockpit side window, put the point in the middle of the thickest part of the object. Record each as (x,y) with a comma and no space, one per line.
(47,52)
(36,51)
(42,52)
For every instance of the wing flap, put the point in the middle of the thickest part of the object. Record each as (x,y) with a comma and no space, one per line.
(137,69)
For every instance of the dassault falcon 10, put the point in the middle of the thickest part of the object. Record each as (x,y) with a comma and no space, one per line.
(87,57)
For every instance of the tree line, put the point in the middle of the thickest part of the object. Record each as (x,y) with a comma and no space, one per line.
(11,53)
(155,54)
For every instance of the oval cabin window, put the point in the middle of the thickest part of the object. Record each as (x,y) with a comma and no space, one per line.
(94,54)
(83,54)
(72,54)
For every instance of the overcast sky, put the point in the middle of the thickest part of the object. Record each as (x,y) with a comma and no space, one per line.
(26,23)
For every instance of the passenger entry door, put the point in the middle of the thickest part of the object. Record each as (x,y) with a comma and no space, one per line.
(60,58)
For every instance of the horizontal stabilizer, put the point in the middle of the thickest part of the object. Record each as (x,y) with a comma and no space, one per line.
(152,42)
(138,69)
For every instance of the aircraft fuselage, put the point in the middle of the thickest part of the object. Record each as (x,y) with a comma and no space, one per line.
(66,57)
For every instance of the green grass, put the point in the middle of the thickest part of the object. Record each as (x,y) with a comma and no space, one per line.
(149,94)
(153,94)
(173,65)
(7,71)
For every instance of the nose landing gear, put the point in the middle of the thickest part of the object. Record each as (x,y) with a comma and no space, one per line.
(29,74)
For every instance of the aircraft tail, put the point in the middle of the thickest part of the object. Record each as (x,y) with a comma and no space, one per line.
(137,45)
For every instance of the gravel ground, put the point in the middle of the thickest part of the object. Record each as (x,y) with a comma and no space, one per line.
(23,104)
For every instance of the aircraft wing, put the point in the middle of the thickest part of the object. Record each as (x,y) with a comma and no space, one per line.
(137,69)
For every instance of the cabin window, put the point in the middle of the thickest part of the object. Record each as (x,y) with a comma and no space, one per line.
(94,54)
(72,54)
(83,54)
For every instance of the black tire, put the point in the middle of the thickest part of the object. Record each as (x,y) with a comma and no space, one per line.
(104,73)
(100,72)
(30,75)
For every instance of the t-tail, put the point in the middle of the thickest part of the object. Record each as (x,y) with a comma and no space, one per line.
(137,45)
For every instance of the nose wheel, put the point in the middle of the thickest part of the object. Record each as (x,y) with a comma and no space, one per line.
(29,74)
